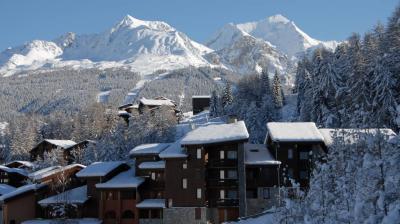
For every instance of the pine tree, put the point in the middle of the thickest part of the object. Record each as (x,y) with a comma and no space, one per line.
(266,82)
(227,96)
(215,105)
(277,91)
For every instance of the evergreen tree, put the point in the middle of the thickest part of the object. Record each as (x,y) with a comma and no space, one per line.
(227,96)
(215,105)
(277,91)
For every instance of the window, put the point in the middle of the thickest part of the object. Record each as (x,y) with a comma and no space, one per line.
(232,174)
(232,194)
(128,214)
(290,173)
(290,154)
(184,183)
(184,165)
(221,154)
(153,175)
(222,174)
(198,153)
(128,194)
(232,155)
(198,193)
(222,194)
(266,194)
(304,155)
(303,175)
(197,213)
(170,202)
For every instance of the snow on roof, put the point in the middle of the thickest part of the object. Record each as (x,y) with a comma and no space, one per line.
(201,96)
(151,203)
(123,113)
(46,172)
(74,221)
(5,189)
(294,132)
(174,150)
(215,133)
(148,149)
(21,190)
(126,179)
(350,135)
(24,163)
(153,102)
(99,169)
(74,196)
(14,170)
(258,154)
(61,143)
(152,165)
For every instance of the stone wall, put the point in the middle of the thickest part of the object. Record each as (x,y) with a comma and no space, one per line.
(151,221)
(258,205)
(184,215)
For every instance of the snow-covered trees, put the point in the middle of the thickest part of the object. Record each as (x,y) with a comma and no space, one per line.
(355,86)
(227,96)
(277,91)
(356,184)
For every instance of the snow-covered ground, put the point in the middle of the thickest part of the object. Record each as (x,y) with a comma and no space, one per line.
(267,218)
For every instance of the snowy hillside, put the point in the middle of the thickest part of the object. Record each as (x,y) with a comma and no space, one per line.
(143,46)
(276,30)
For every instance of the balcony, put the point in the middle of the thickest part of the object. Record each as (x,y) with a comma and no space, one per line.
(222,183)
(222,163)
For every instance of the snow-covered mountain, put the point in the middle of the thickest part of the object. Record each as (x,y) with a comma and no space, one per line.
(153,46)
(144,46)
(245,53)
(276,30)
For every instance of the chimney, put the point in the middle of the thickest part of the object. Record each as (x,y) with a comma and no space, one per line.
(232,119)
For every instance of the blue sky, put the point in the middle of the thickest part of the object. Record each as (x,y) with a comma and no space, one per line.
(24,20)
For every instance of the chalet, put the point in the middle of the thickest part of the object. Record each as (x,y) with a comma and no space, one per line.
(200,103)
(48,145)
(15,177)
(53,174)
(63,148)
(20,164)
(149,105)
(97,173)
(262,179)
(20,204)
(296,145)
(119,197)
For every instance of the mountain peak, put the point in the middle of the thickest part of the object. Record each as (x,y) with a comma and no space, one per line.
(278,18)
(130,21)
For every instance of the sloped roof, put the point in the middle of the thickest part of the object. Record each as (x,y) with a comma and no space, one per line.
(24,163)
(99,169)
(152,165)
(215,133)
(174,150)
(61,143)
(258,154)
(155,102)
(21,190)
(74,196)
(148,149)
(48,171)
(5,189)
(126,179)
(294,132)
(14,170)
